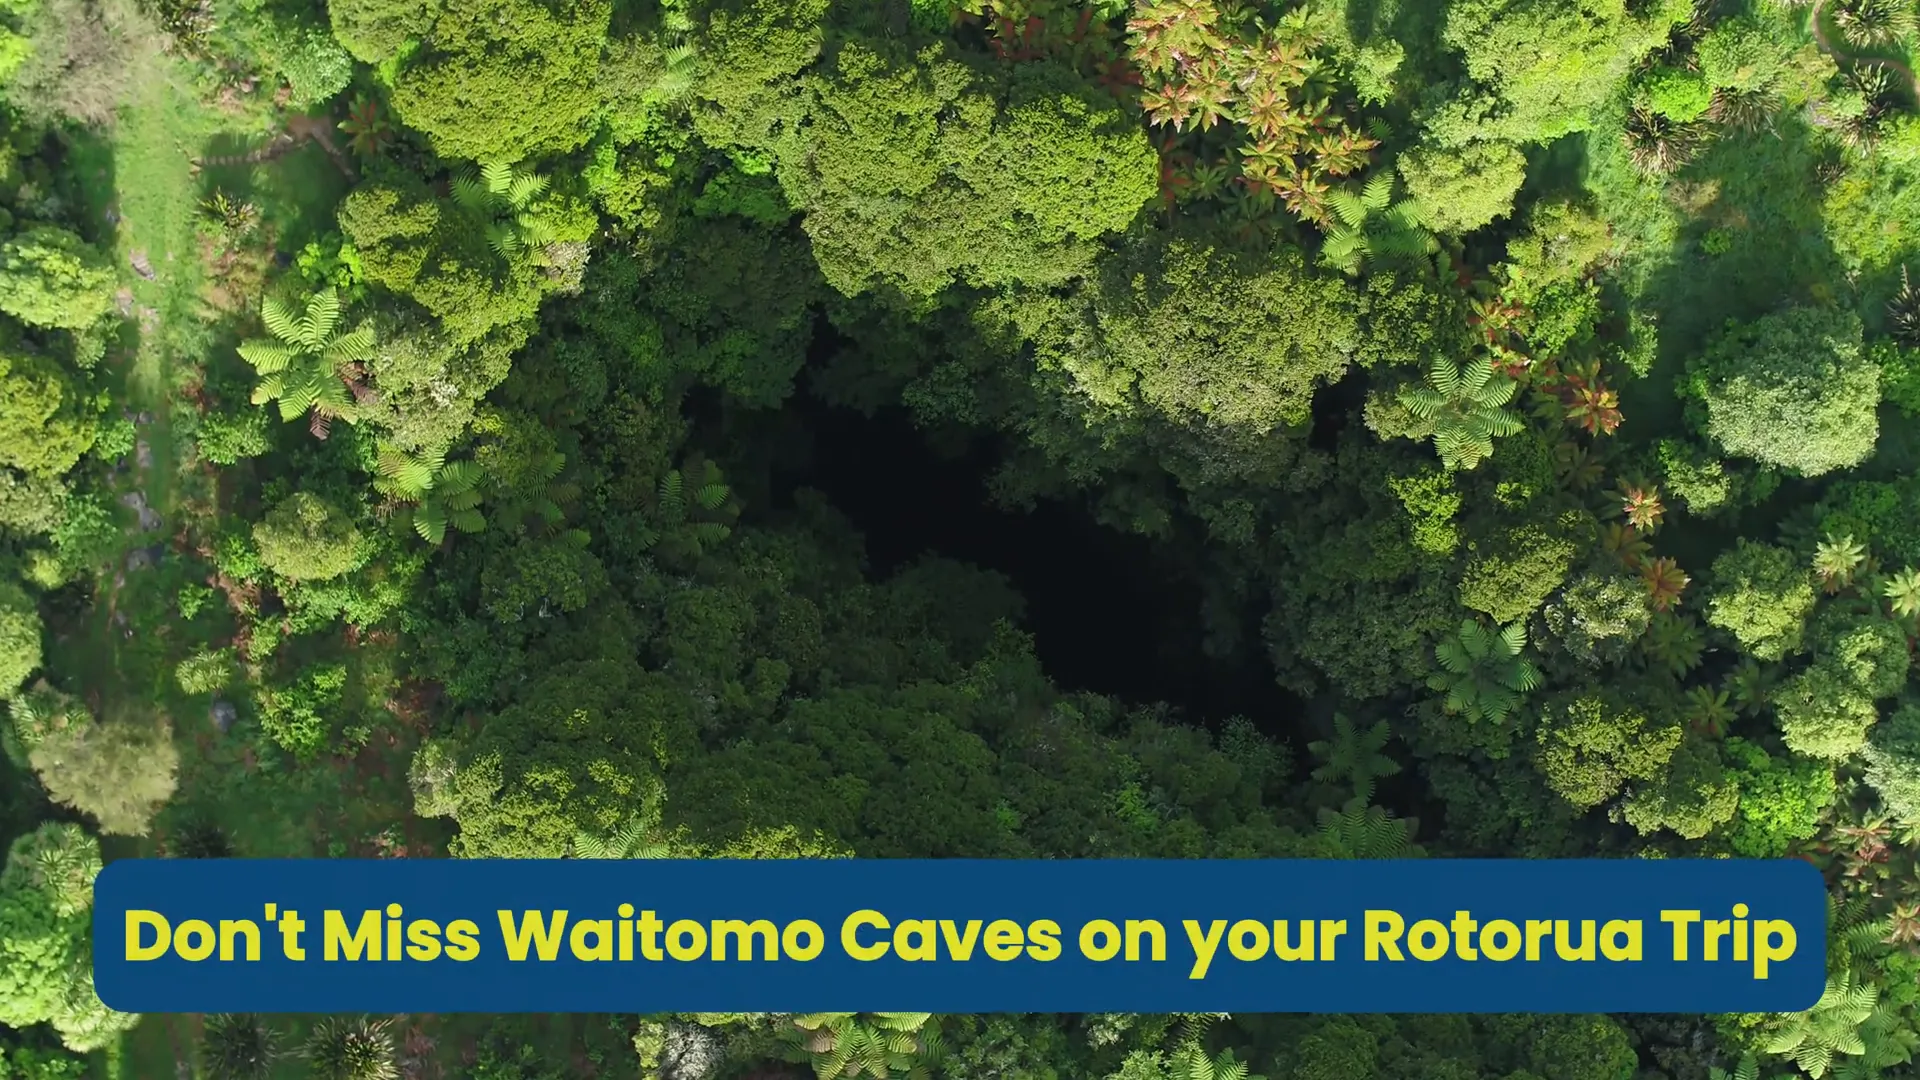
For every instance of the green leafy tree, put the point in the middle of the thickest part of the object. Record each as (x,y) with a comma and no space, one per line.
(299,716)
(306,538)
(50,277)
(46,929)
(1782,799)
(1552,63)
(1795,390)
(1370,227)
(1824,714)
(911,176)
(417,245)
(1598,617)
(120,770)
(306,365)
(1692,795)
(46,423)
(441,492)
(1463,408)
(502,80)
(19,638)
(1512,574)
(1893,763)
(581,752)
(1460,190)
(1593,744)
(1483,671)
(1214,340)
(1762,595)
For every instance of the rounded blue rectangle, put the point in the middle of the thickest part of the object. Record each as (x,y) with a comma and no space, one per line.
(1520,947)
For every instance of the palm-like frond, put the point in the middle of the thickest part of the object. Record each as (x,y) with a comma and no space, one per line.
(355,346)
(316,325)
(267,357)
(1354,755)
(471,195)
(1345,249)
(458,478)
(280,320)
(502,239)
(407,476)
(1350,208)
(1378,193)
(630,841)
(498,177)
(524,188)
(1359,831)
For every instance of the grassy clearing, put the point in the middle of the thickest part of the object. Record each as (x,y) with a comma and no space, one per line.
(129,643)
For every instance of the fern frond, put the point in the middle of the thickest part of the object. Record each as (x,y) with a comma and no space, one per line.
(267,357)
(498,176)
(323,310)
(356,345)
(279,320)
(1378,192)
(470,194)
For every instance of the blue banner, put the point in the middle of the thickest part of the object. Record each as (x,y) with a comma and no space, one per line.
(851,935)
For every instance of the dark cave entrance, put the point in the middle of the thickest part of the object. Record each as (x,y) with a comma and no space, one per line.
(1110,612)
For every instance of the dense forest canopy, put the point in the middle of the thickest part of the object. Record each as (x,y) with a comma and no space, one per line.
(994,428)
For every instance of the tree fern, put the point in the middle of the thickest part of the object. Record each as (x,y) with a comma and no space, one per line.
(1483,672)
(303,366)
(1368,224)
(877,1045)
(442,493)
(1463,405)
(673,502)
(1191,1062)
(502,198)
(1747,1069)
(1359,831)
(537,493)
(1354,756)
(630,841)
(1812,1040)
(684,512)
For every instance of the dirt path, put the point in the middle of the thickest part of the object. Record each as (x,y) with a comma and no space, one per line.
(1826,46)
